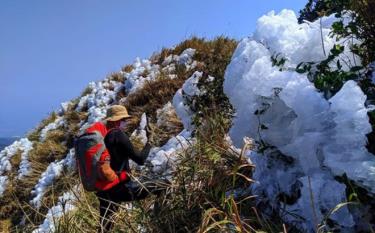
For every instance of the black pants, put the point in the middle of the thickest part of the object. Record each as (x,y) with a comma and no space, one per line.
(109,200)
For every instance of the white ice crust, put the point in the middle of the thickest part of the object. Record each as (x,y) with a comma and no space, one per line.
(324,138)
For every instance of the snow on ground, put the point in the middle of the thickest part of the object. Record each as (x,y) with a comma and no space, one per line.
(163,158)
(315,139)
(140,132)
(7,153)
(165,114)
(185,58)
(51,126)
(101,95)
(24,167)
(144,71)
(52,172)
(183,96)
(64,107)
(65,204)
(3,184)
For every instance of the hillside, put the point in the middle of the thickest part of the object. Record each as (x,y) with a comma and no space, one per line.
(272,133)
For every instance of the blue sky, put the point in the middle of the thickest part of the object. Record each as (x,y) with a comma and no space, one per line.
(51,50)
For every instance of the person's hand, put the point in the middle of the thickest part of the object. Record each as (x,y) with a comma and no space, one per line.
(123,176)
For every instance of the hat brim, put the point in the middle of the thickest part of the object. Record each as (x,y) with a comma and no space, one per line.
(116,118)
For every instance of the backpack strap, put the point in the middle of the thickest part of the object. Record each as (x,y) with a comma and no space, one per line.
(122,166)
(100,139)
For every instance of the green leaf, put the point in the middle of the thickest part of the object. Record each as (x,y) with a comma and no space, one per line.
(303,67)
(337,49)
(338,27)
(353,197)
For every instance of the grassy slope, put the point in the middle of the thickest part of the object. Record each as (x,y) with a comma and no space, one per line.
(196,200)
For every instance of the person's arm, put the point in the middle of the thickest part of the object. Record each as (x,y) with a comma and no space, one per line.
(107,173)
(127,148)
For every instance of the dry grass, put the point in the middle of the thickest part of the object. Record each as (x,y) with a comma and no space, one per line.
(162,132)
(73,119)
(35,134)
(5,226)
(215,54)
(18,208)
(14,205)
(86,91)
(153,96)
(195,201)
(16,159)
(117,77)
(47,152)
(127,68)
(15,202)
(212,57)
(121,94)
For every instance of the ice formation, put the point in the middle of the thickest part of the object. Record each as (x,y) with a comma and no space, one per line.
(65,204)
(135,79)
(3,184)
(64,107)
(7,153)
(312,139)
(282,35)
(185,58)
(144,70)
(140,132)
(51,126)
(164,114)
(100,96)
(183,96)
(24,167)
(52,172)
(163,158)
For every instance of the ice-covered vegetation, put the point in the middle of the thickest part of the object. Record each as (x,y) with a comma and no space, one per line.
(6,155)
(300,88)
(304,140)
(53,171)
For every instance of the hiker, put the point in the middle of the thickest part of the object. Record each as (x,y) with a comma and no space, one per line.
(113,184)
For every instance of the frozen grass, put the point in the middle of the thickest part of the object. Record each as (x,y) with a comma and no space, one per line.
(207,194)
